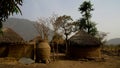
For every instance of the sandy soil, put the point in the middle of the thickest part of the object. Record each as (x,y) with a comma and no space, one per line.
(109,62)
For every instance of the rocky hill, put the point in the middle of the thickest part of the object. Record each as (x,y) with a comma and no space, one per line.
(114,41)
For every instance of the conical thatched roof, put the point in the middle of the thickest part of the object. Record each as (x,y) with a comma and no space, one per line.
(84,39)
(57,39)
(9,36)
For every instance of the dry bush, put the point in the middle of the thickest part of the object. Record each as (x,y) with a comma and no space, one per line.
(112,50)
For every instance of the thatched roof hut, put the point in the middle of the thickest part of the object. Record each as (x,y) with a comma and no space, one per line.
(83,45)
(9,36)
(11,44)
(84,39)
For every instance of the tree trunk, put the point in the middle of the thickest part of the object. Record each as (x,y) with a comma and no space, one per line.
(66,43)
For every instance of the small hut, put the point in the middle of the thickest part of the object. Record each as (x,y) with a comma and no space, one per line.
(11,44)
(58,43)
(83,45)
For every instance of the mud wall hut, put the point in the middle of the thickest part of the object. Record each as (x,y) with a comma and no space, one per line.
(12,44)
(83,45)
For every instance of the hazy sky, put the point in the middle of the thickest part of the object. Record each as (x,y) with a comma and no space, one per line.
(106,13)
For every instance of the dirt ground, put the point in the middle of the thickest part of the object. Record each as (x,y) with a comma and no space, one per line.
(108,62)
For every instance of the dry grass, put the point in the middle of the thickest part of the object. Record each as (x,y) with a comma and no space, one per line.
(8,60)
(110,62)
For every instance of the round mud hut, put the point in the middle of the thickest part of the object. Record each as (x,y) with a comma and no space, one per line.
(12,44)
(83,45)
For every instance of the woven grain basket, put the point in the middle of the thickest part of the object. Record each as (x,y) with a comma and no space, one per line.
(43,51)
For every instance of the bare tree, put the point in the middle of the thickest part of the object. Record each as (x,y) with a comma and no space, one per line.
(101,37)
(53,22)
(42,28)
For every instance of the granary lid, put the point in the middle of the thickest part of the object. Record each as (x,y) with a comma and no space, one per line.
(84,39)
(9,36)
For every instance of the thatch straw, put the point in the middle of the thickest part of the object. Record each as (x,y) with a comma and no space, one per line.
(9,36)
(8,60)
(84,39)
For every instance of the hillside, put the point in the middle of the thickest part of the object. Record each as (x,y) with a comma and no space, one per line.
(23,27)
(114,41)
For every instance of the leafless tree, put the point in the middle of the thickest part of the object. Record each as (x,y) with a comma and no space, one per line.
(42,28)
